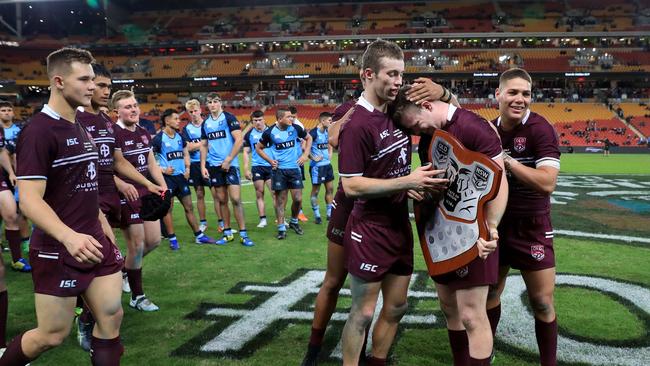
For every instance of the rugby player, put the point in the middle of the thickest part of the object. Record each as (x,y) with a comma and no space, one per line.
(134,142)
(70,253)
(221,140)
(192,134)
(374,165)
(320,168)
(283,138)
(532,162)
(258,170)
(462,293)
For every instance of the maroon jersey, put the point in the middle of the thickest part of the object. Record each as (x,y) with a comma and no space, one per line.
(372,146)
(53,149)
(135,148)
(343,109)
(533,143)
(100,127)
(472,130)
(3,185)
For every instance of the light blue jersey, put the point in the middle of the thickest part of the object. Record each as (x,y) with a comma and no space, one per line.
(11,135)
(250,140)
(169,151)
(320,147)
(192,133)
(220,140)
(283,144)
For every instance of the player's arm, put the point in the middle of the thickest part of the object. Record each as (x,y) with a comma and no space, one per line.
(259,147)
(335,128)
(306,147)
(204,156)
(5,162)
(541,178)
(247,155)
(191,146)
(236,146)
(126,169)
(106,227)
(421,179)
(155,172)
(83,248)
(186,161)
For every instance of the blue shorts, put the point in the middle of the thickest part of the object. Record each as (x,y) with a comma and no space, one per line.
(196,177)
(286,179)
(321,174)
(219,178)
(261,172)
(177,184)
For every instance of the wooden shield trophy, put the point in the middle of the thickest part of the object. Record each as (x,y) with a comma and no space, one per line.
(449,229)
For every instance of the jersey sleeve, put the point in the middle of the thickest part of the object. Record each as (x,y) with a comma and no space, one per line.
(247,141)
(204,134)
(547,150)
(486,139)
(35,153)
(156,143)
(232,122)
(185,135)
(314,133)
(356,145)
(300,131)
(266,140)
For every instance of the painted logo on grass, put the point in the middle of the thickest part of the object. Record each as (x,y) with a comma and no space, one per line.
(240,330)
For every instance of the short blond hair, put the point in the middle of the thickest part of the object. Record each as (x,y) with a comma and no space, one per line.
(119,95)
(192,103)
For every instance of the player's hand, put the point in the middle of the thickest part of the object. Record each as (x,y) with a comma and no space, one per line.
(225,166)
(317,157)
(205,173)
(186,174)
(344,118)
(129,191)
(169,170)
(415,195)
(424,89)
(12,179)
(156,189)
(274,164)
(301,160)
(83,248)
(423,179)
(248,175)
(486,247)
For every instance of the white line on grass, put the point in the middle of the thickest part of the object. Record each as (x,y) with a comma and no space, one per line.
(628,239)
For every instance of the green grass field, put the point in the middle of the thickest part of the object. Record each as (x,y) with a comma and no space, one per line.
(602,321)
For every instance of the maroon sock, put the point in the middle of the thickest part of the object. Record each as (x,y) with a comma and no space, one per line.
(14,355)
(106,352)
(476,362)
(135,281)
(86,315)
(374,361)
(13,237)
(494,315)
(459,346)
(546,334)
(316,337)
(4,307)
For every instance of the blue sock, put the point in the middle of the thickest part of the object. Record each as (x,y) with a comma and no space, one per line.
(294,220)
(329,209)
(227,231)
(243,233)
(171,236)
(221,224)
(282,227)
(199,234)
(204,222)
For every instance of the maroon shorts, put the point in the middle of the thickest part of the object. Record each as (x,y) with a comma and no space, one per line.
(55,272)
(130,210)
(341,208)
(526,243)
(4,186)
(373,251)
(109,203)
(479,272)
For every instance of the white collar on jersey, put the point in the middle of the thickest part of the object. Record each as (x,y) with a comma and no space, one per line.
(50,112)
(121,124)
(523,121)
(80,109)
(451,111)
(365,103)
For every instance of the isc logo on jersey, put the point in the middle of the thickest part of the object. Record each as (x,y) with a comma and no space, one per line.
(368,267)
(68,284)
